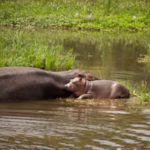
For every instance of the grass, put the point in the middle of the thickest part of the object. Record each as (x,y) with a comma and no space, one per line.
(118,15)
(20,49)
(140,91)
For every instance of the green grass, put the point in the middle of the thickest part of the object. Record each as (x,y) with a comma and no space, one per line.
(140,91)
(20,48)
(118,15)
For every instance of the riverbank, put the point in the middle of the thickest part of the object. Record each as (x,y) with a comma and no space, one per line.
(26,48)
(83,15)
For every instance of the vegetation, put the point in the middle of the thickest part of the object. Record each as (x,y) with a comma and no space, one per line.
(140,91)
(19,49)
(145,58)
(118,15)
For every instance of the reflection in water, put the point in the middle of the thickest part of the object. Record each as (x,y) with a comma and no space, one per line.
(60,124)
(112,56)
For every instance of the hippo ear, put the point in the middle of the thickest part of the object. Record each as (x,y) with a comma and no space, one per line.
(80,75)
(89,77)
(80,79)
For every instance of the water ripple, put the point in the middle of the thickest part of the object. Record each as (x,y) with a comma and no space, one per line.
(139,125)
(130,141)
(105,142)
(94,147)
(115,112)
(140,131)
(72,128)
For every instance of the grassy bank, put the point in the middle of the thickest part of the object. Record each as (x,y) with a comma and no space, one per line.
(141,92)
(21,48)
(118,15)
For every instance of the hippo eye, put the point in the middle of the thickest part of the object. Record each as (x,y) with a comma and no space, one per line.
(77,84)
(74,82)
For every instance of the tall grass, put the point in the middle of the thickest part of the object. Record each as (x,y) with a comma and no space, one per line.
(20,50)
(97,14)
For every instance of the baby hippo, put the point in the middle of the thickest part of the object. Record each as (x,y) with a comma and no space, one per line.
(84,89)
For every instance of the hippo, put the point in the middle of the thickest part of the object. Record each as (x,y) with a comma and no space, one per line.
(84,89)
(28,83)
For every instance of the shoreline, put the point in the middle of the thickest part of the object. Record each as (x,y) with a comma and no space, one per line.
(74,28)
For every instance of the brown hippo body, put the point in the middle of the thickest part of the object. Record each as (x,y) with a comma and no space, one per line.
(97,89)
(26,83)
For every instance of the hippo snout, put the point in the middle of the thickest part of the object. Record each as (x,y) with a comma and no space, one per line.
(67,86)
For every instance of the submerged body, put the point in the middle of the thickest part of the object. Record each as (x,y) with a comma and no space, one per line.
(26,83)
(84,89)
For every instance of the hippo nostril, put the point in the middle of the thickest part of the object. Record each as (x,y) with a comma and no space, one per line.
(67,85)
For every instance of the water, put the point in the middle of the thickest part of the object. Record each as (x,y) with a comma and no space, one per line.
(92,125)
(67,125)
(112,56)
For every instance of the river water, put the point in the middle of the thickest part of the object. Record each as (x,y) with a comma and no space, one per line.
(88,125)
(59,124)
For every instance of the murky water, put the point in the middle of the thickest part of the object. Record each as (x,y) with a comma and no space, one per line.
(91,125)
(64,125)
(113,56)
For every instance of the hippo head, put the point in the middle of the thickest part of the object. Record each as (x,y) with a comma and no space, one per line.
(77,85)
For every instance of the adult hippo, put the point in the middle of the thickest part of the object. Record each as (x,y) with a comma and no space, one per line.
(26,83)
(84,89)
